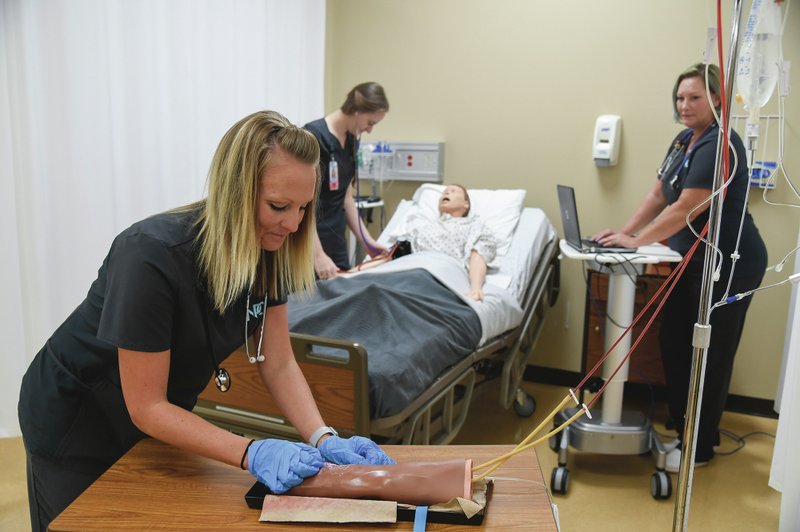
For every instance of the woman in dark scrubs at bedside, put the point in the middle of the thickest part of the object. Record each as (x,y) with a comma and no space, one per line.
(366,105)
(685,180)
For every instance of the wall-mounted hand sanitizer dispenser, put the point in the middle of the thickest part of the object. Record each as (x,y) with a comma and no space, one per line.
(607,132)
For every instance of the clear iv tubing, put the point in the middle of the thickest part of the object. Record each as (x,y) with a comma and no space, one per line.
(721,190)
(781,139)
(781,152)
(757,75)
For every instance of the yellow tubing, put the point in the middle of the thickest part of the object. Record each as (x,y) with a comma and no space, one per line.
(524,445)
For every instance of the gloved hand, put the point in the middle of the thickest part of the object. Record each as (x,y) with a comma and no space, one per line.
(282,465)
(354,450)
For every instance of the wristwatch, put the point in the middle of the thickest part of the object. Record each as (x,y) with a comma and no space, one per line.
(319,433)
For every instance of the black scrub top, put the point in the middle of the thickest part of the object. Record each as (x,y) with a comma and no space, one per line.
(331,221)
(696,170)
(148,297)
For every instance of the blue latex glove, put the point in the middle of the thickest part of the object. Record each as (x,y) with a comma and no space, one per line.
(282,465)
(355,450)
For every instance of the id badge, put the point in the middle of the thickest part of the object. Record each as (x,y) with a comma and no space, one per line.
(333,175)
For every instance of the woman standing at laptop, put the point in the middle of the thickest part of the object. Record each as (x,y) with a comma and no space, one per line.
(685,181)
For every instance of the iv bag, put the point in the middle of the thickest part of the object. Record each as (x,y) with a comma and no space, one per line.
(757,72)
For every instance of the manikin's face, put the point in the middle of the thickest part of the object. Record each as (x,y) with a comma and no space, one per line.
(286,189)
(453,201)
(692,104)
(366,121)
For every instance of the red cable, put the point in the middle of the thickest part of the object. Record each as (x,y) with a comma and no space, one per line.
(677,272)
(723,97)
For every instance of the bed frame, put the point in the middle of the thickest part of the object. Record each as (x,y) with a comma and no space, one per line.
(340,388)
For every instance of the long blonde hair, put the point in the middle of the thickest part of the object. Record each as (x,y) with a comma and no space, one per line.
(230,256)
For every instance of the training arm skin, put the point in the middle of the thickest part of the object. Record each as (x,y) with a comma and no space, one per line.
(143,376)
(654,220)
(477,275)
(356,226)
(419,483)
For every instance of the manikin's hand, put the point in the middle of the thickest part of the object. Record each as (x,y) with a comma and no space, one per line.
(374,249)
(476,294)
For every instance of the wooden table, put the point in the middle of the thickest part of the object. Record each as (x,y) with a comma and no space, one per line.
(158,487)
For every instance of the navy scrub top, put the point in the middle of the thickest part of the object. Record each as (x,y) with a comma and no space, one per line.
(331,221)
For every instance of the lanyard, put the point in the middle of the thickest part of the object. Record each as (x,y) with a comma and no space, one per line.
(668,166)
(669,172)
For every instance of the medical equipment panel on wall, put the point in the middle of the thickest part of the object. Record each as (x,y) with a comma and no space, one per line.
(408,161)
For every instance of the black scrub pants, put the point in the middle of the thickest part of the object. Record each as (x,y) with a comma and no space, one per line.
(679,316)
(52,486)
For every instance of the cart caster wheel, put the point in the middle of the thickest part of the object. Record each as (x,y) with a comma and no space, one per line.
(660,485)
(559,480)
(527,407)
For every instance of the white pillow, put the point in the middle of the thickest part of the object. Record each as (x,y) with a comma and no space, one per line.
(499,210)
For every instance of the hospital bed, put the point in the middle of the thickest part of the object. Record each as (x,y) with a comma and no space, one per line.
(396,352)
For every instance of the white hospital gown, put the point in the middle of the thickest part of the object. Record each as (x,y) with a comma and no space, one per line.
(456,237)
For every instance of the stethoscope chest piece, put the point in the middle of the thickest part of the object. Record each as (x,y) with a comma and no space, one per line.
(222,380)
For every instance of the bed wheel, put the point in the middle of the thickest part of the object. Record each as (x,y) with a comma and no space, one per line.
(525,404)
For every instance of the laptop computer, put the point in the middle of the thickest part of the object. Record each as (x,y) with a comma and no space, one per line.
(572,232)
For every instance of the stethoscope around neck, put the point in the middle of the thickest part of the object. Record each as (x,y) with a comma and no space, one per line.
(222,379)
(676,159)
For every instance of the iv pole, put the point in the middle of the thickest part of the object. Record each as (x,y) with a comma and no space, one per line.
(702,329)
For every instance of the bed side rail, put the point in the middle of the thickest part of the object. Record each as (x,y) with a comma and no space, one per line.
(439,419)
(544,282)
(336,371)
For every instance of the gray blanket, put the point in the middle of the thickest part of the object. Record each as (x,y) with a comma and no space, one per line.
(412,326)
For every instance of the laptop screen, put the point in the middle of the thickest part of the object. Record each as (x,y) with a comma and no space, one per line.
(569,215)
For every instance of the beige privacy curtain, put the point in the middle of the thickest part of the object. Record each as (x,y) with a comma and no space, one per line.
(110,111)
